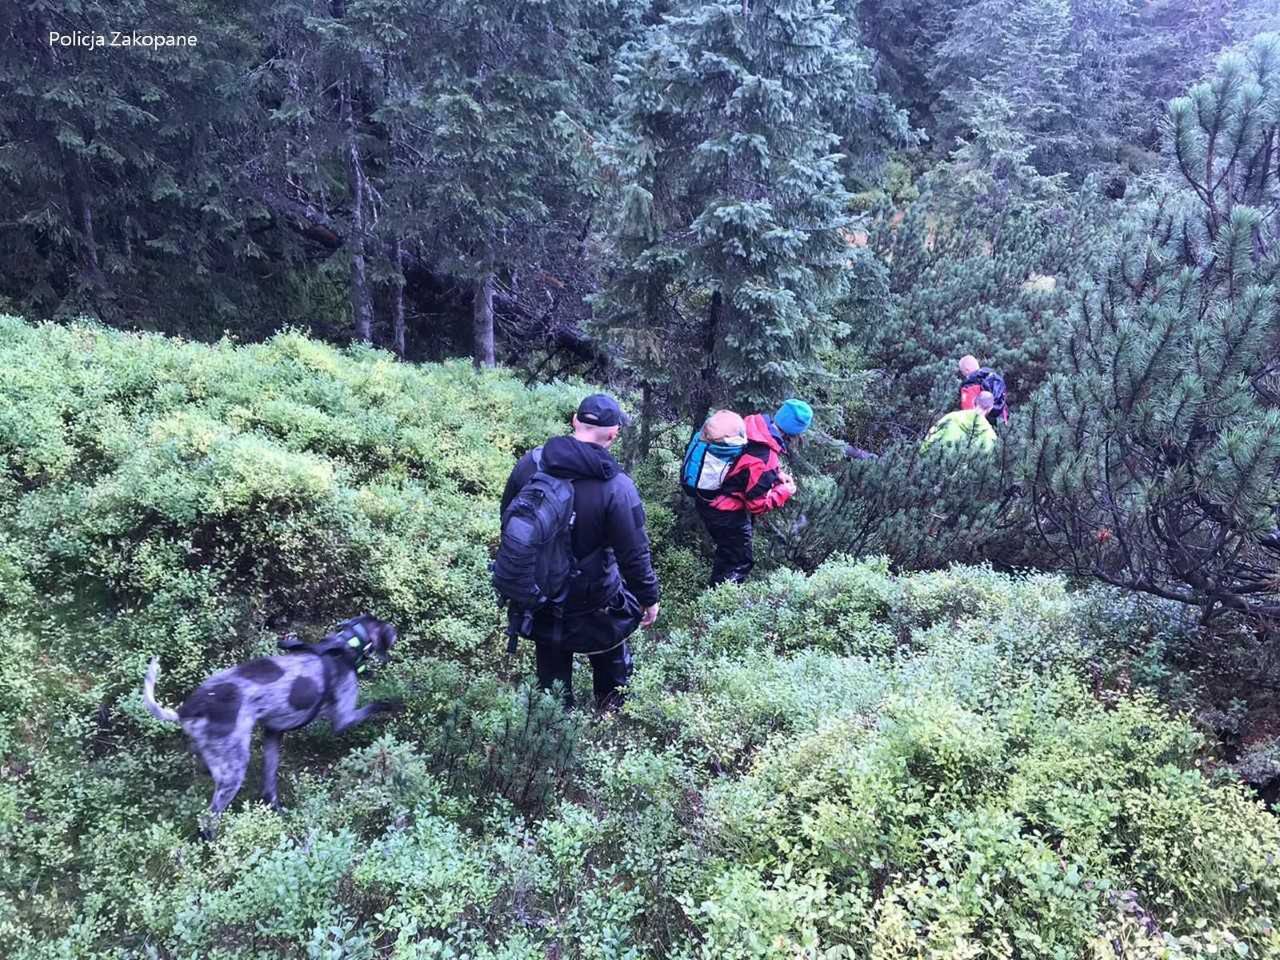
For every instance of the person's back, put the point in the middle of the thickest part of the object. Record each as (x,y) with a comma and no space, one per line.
(965,427)
(610,544)
(754,485)
(613,587)
(960,427)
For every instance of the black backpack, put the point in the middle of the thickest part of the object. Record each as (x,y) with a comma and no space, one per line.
(535,555)
(993,383)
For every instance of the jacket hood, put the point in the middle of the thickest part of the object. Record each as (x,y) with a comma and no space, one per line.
(572,459)
(758,431)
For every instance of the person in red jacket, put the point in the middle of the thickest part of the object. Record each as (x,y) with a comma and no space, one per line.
(755,485)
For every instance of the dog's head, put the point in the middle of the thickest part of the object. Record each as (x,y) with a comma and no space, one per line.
(365,636)
(384,638)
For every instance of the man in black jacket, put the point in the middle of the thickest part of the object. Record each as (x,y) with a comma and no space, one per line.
(613,588)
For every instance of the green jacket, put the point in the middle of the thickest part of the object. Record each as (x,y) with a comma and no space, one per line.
(961,427)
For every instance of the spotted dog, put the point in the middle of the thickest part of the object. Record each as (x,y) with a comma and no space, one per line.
(284,692)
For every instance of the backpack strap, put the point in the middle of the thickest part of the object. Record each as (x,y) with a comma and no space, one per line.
(557,625)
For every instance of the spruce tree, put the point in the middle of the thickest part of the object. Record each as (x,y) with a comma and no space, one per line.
(437,137)
(1084,82)
(733,212)
(500,99)
(112,198)
(1015,57)
(1155,452)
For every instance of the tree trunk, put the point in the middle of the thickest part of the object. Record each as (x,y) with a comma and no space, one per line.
(646,418)
(82,216)
(397,310)
(361,299)
(90,280)
(707,388)
(482,321)
(637,448)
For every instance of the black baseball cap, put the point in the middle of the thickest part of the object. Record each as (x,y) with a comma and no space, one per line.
(601,410)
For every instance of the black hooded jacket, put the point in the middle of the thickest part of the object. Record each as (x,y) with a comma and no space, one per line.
(609,538)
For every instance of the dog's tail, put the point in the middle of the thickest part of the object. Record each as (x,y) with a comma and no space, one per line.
(149,695)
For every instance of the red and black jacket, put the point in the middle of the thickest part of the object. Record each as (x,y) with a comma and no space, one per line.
(753,483)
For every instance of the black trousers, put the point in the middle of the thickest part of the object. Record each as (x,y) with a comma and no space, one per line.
(730,531)
(600,635)
(610,672)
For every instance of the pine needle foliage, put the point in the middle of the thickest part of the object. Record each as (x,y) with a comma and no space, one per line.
(923,509)
(1156,447)
(523,753)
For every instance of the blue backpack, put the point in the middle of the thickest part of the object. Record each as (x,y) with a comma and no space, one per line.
(706,464)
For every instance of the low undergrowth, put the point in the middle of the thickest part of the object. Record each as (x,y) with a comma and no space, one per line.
(850,764)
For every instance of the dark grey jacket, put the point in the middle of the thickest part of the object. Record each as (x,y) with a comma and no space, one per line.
(609,538)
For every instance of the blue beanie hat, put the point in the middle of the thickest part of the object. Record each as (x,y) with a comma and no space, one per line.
(793,417)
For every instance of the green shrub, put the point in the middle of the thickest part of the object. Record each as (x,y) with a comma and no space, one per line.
(850,764)
(301,480)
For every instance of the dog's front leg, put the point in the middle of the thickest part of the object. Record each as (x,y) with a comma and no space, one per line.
(272,740)
(344,712)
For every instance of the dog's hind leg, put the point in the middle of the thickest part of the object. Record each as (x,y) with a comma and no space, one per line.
(227,765)
(271,743)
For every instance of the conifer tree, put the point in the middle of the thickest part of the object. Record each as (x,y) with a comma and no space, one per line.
(317,146)
(921,508)
(439,134)
(1015,58)
(500,102)
(1155,452)
(112,201)
(733,210)
(1084,82)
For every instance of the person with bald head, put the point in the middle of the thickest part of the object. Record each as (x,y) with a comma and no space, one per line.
(613,588)
(966,427)
(974,380)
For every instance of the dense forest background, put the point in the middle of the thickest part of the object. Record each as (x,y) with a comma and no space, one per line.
(279,310)
(568,184)
(723,204)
